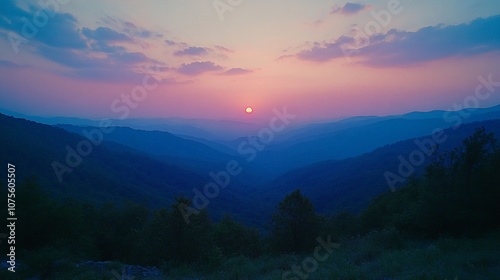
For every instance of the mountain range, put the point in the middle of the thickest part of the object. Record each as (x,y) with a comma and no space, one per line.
(339,165)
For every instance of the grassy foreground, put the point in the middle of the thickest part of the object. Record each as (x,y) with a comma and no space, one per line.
(377,255)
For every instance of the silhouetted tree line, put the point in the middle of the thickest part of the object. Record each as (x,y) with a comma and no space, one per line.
(459,194)
(130,232)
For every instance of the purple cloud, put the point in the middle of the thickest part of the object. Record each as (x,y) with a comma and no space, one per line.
(397,48)
(349,9)
(77,59)
(223,49)
(131,58)
(236,71)
(60,31)
(70,58)
(130,29)
(322,51)
(105,34)
(192,51)
(170,42)
(66,43)
(174,43)
(198,68)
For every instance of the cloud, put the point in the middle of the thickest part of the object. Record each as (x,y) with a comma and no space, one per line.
(131,58)
(90,53)
(158,69)
(84,59)
(398,48)
(105,34)
(223,49)
(130,29)
(198,68)
(11,16)
(142,33)
(172,43)
(71,58)
(349,9)
(236,71)
(60,30)
(120,67)
(106,48)
(323,51)
(183,49)
(63,41)
(193,51)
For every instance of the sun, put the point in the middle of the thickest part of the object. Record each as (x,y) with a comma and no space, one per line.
(249,110)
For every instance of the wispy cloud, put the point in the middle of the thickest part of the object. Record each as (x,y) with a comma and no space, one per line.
(396,48)
(236,71)
(132,30)
(198,68)
(176,44)
(60,31)
(223,49)
(192,51)
(349,8)
(88,53)
(105,34)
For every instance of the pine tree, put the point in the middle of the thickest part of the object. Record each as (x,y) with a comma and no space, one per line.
(295,224)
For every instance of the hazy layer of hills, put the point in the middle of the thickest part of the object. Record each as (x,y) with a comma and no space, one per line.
(110,172)
(349,184)
(339,165)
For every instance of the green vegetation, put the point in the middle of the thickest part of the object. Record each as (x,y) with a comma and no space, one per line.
(294,223)
(458,195)
(444,225)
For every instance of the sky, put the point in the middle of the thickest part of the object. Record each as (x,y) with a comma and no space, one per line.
(213,58)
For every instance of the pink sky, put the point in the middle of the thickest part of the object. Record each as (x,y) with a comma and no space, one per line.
(265,55)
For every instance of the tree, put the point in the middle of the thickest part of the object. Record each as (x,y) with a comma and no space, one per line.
(235,239)
(188,242)
(295,224)
(474,152)
(458,194)
(155,240)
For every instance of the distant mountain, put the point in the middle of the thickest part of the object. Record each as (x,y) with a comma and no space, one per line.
(312,130)
(210,129)
(440,113)
(190,154)
(158,143)
(51,120)
(110,171)
(353,137)
(339,165)
(349,184)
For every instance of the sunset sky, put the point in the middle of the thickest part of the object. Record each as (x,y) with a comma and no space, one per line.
(322,59)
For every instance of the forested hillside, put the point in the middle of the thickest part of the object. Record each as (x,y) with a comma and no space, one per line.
(433,215)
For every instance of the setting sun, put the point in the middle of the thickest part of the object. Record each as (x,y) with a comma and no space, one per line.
(249,110)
